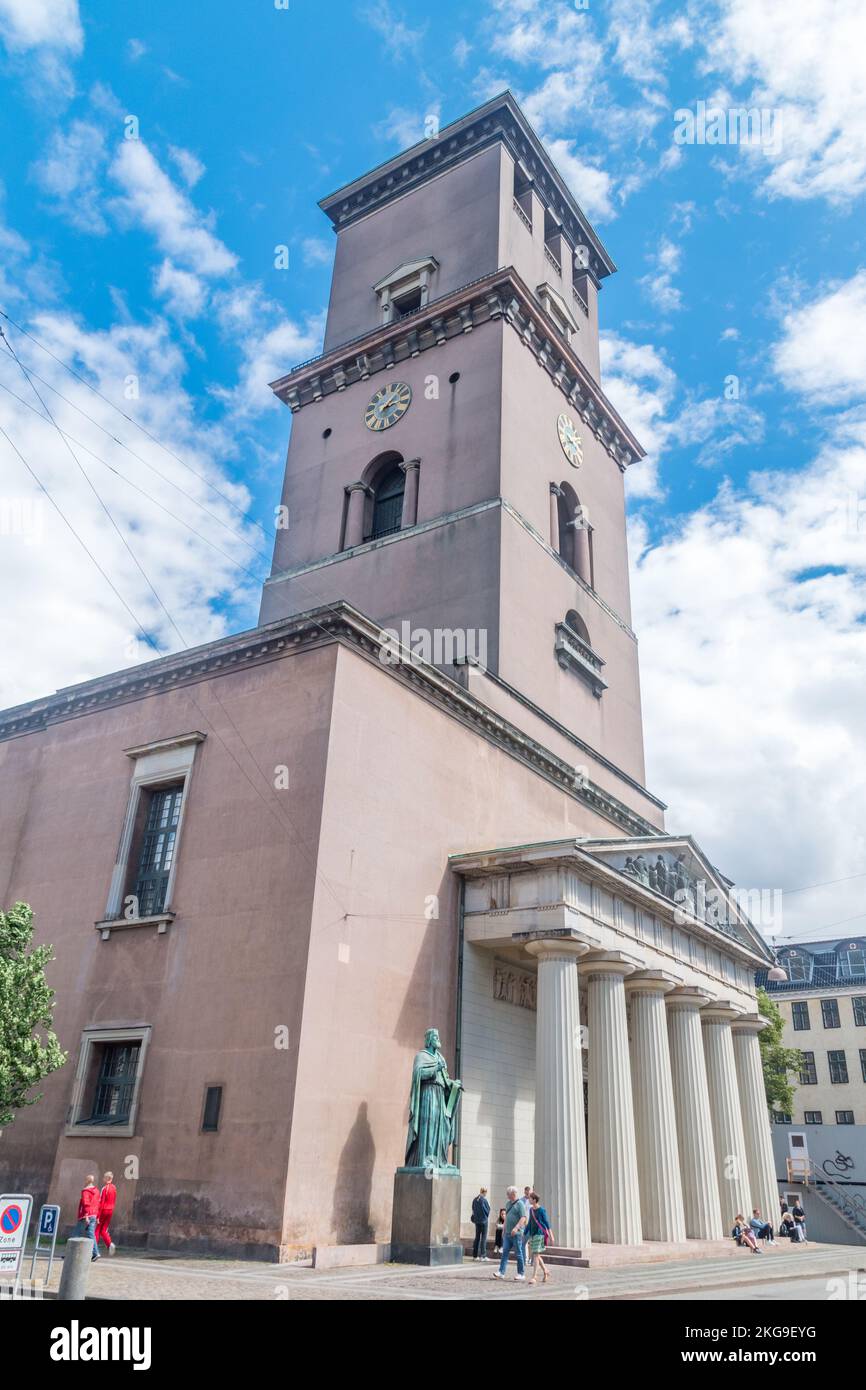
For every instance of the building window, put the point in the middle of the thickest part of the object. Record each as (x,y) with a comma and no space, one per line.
(798,965)
(780,1117)
(838,1068)
(142,881)
(406,289)
(809,1072)
(574,539)
(574,652)
(800,1016)
(863,1062)
(388,503)
(213,1100)
(855,962)
(156,855)
(844,1117)
(859,1002)
(107,1080)
(830,1013)
(813,1117)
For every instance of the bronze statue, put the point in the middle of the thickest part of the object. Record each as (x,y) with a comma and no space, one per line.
(433,1101)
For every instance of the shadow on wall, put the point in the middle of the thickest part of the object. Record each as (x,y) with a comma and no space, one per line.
(429,999)
(350,1219)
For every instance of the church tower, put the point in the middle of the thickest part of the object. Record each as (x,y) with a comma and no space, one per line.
(455,470)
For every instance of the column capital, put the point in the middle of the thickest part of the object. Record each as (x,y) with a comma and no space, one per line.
(687,997)
(556,490)
(359,487)
(551,946)
(652,982)
(750,1023)
(610,963)
(719,1011)
(409,463)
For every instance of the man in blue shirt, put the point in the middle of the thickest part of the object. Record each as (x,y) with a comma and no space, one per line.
(516,1217)
(480,1217)
(763,1230)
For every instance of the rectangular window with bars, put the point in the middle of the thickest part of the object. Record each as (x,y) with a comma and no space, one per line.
(838,1068)
(859,1003)
(800,1015)
(809,1072)
(830,1013)
(157,849)
(115,1084)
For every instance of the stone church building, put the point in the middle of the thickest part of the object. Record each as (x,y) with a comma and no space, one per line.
(412,796)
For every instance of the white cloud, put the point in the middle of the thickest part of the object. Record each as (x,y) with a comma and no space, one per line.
(403,128)
(190,168)
(58,591)
(642,387)
(658,285)
(591,185)
(71,173)
(154,202)
(135,49)
(752,659)
(805,61)
(317,252)
(28,24)
(185,293)
(269,344)
(822,352)
(396,35)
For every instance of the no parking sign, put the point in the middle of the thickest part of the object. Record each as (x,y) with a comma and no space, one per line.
(15,1208)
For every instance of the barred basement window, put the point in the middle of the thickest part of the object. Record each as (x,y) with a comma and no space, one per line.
(800,1016)
(213,1100)
(157,849)
(838,1068)
(115,1084)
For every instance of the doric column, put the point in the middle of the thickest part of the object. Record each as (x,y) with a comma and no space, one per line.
(700,1184)
(731,1163)
(661,1193)
(756,1120)
(560,1138)
(614,1193)
(555,494)
(358,494)
(410,470)
(582,561)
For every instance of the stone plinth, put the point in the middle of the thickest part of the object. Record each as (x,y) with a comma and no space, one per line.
(425,1222)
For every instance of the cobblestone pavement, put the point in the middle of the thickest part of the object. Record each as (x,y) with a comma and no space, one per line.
(137,1277)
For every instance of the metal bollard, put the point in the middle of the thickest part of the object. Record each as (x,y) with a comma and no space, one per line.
(76,1267)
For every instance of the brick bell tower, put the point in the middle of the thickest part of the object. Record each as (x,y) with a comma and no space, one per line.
(455,470)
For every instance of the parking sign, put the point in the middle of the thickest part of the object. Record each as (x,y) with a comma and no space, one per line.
(15,1208)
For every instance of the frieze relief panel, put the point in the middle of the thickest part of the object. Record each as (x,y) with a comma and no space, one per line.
(513,986)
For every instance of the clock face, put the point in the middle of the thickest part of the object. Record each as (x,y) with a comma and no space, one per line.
(572,444)
(389,405)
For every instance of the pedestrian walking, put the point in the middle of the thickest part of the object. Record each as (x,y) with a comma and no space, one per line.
(540,1236)
(107,1199)
(516,1217)
(480,1218)
(88,1210)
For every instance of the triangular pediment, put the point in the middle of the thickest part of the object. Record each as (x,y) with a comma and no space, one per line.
(405,271)
(674,868)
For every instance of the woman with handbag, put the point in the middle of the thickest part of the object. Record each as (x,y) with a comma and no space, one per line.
(540,1236)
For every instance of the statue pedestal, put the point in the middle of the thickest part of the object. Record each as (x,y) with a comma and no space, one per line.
(425,1222)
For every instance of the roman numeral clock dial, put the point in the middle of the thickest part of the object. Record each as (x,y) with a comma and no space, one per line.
(389,405)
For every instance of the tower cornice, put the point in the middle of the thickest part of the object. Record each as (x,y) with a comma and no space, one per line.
(500,119)
(501,295)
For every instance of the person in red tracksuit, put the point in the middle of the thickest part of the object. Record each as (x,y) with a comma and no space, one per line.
(88,1209)
(107,1199)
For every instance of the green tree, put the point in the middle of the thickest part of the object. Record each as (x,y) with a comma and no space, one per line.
(26,1056)
(780,1063)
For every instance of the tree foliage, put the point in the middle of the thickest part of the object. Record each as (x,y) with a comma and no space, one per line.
(29,1050)
(780,1063)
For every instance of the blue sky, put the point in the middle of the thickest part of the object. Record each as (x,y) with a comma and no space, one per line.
(148,264)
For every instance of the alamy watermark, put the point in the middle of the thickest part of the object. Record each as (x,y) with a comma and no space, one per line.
(440,646)
(737,125)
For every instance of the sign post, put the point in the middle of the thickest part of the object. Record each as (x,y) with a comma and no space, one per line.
(15,1211)
(49,1222)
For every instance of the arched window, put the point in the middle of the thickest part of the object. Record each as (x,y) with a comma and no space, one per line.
(575,533)
(388,489)
(578,626)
